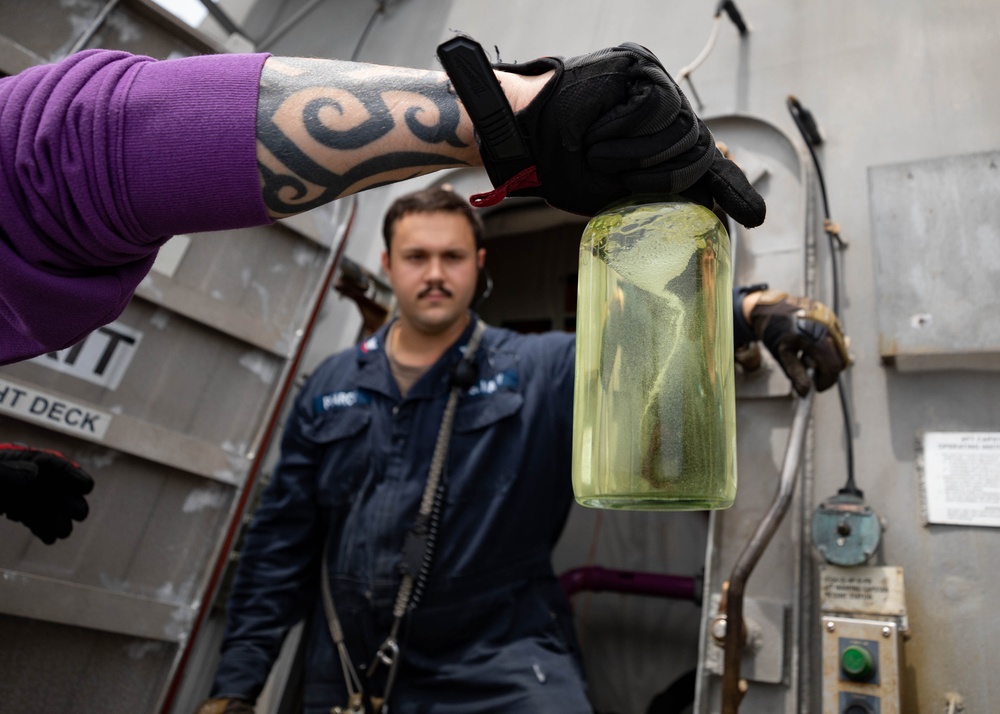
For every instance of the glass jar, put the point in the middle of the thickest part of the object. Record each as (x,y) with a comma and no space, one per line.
(655,408)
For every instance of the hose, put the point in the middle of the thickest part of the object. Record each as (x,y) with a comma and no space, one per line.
(807,127)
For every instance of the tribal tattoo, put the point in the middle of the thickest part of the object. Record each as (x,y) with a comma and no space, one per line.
(329,128)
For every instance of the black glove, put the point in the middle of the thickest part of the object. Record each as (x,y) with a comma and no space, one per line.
(613,124)
(43,490)
(224,706)
(800,333)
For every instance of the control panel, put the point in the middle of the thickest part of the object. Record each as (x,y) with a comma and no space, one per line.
(861,666)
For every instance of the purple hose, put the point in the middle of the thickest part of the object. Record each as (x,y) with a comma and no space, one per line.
(597,579)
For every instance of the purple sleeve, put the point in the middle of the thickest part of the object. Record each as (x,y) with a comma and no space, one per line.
(103,156)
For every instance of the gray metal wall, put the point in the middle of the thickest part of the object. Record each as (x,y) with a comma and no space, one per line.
(892,84)
(169,408)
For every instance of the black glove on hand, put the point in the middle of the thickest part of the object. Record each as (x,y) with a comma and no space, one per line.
(224,706)
(43,490)
(801,333)
(612,124)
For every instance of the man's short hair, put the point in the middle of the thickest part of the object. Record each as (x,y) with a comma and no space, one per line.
(431,200)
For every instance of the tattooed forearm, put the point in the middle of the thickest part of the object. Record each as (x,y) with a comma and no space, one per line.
(328,128)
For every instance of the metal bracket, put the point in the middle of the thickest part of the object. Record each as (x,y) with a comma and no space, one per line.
(764,653)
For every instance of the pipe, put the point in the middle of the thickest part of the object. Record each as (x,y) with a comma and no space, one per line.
(368,28)
(732,687)
(729,8)
(597,579)
(93,27)
(280,31)
(705,52)
(223,19)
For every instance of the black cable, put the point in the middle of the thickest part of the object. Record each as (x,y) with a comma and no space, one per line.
(806,125)
(729,7)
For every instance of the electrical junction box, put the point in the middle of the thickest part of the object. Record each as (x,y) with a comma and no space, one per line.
(861,666)
(863,623)
(935,225)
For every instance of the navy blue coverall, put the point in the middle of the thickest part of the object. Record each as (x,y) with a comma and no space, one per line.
(493,632)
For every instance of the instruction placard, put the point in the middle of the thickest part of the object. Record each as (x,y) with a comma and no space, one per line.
(961,478)
(876,590)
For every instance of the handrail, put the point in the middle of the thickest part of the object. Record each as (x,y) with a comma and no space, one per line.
(733,688)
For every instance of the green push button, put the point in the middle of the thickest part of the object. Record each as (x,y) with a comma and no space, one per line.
(857,663)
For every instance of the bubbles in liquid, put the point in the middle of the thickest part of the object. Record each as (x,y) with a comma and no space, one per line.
(652,246)
(654,414)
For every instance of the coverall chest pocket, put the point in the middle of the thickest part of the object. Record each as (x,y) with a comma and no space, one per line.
(342,438)
(484,454)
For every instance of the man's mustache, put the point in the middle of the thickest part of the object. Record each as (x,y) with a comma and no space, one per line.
(434,287)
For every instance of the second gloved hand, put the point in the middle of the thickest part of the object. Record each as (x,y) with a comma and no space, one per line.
(800,333)
(43,490)
(613,124)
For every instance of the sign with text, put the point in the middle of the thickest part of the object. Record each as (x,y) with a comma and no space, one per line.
(961,478)
(874,590)
(52,412)
(101,357)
